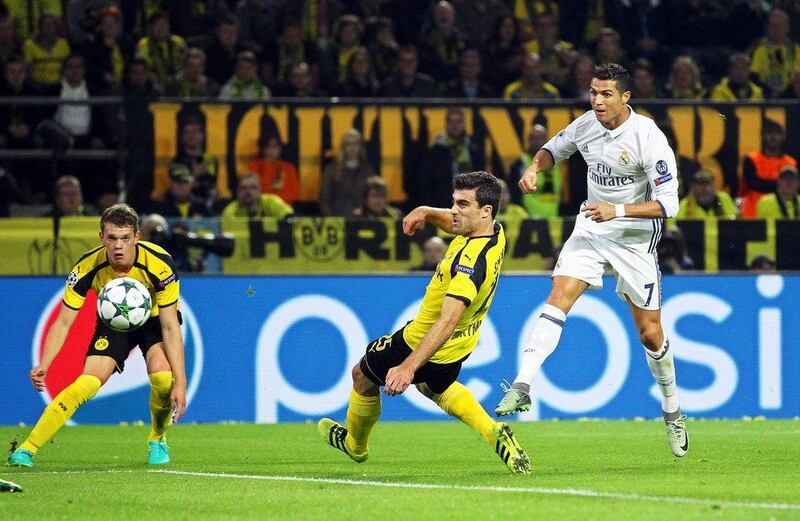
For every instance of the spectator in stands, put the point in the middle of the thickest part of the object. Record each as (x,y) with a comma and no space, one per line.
(643,82)
(278,177)
(359,78)
(672,256)
(469,85)
(177,200)
(165,52)
(301,82)
(86,124)
(28,15)
(245,83)
(705,201)
(453,152)
(289,50)
(221,53)
(763,263)
(68,199)
(532,84)
(580,76)
(18,120)
(504,52)
(333,58)
(737,85)
(383,47)
(433,251)
(545,201)
(259,23)
(204,167)
(138,90)
(441,45)
(684,80)
(104,54)
(407,82)
(191,81)
(46,52)
(760,168)
(375,202)
(793,92)
(506,209)
(476,19)
(608,48)
(10,44)
(776,56)
(784,203)
(81,19)
(251,202)
(344,179)
(557,55)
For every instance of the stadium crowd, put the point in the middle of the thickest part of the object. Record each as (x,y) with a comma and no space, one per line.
(259,49)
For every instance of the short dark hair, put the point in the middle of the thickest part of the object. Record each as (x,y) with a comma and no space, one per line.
(486,186)
(614,72)
(121,215)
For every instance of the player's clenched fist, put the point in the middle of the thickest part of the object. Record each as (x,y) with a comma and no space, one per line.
(527,182)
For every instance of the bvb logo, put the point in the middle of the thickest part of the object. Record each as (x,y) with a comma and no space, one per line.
(319,239)
(101,344)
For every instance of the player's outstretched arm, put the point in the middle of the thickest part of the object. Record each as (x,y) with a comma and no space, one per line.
(400,377)
(53,344)
(541,161)
(173,343)
(442,218)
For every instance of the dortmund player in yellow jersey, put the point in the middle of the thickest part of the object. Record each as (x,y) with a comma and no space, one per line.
(429,350)
(160,340)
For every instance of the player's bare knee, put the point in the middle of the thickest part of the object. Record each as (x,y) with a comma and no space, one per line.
(651,336)
(363,385)
(560,299)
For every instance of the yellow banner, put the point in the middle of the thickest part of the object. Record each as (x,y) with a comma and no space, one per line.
(716,135)
(337,245)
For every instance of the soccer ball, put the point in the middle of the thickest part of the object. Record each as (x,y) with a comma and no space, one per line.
(124,304)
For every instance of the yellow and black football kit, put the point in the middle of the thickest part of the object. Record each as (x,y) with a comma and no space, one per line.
(469,272)
(154,268)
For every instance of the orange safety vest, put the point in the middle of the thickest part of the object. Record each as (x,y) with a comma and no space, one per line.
(767,168)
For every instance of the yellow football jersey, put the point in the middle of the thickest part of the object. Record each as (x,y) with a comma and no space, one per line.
(469,272)
(153,267)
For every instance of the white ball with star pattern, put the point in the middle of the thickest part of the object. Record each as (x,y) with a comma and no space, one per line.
(124,304)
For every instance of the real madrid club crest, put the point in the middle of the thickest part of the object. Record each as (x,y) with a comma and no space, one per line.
(624,158)
(101,344)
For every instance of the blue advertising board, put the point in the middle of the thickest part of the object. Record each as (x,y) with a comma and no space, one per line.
(280,348)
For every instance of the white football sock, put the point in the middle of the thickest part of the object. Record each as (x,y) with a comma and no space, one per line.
(542,343)
(662,365)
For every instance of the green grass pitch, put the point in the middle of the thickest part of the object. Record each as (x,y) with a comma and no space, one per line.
(438,470)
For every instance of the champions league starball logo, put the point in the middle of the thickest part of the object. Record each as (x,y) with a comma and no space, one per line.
(125,396)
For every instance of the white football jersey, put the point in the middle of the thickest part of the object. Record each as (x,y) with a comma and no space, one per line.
(631,164)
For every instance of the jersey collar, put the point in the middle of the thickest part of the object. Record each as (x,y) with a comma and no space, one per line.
(620,129)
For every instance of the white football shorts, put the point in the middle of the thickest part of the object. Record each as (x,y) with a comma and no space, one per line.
(585,257)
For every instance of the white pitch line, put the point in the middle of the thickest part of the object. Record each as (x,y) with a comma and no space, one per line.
(478,488)
(441,486)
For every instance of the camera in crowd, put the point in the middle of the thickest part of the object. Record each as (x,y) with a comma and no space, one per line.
(179,242)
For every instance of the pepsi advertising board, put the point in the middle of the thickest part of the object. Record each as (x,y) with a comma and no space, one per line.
(280,349)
